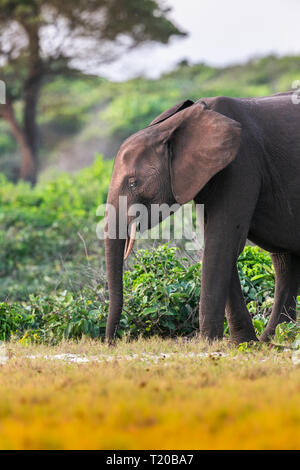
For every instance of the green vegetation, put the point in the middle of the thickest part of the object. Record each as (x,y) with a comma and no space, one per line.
(53,284)
(42,230)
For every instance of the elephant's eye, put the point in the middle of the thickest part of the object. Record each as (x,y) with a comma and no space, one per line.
(132,183)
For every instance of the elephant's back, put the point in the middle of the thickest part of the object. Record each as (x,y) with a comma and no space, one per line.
(272,120)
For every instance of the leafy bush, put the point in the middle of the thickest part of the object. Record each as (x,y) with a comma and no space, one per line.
(15,319)
(161,295)
(40,227)
(51,318)
(257,278)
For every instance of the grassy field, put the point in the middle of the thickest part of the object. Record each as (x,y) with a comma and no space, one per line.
(149,394)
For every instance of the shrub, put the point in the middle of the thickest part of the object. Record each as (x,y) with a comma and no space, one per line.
(39,229)
(257,278)
(161,295)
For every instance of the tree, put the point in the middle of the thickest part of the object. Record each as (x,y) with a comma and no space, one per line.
(40,39)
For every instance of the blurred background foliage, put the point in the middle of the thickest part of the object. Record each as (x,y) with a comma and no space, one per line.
(84,115)
(41,40)
(43,230)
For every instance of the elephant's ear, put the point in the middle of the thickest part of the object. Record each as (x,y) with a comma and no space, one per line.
(171,111)
(200,142)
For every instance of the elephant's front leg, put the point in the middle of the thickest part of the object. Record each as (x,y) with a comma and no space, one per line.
(229,208)
(219,258)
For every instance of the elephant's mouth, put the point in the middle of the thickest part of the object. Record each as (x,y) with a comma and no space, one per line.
(130,240)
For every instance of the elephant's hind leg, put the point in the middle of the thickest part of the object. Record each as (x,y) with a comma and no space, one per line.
(239,319)
(287,282)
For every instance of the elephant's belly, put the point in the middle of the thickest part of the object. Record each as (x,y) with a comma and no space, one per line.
(276,233)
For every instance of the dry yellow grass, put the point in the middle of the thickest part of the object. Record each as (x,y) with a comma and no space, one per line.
(247,400)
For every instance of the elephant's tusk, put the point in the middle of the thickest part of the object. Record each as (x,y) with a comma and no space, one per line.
(130,241)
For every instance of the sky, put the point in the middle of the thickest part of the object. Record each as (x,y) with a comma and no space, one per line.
(221,32)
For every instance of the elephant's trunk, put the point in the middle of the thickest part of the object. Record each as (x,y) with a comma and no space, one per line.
(114,251)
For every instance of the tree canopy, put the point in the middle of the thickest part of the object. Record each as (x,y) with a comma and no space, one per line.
(44,38)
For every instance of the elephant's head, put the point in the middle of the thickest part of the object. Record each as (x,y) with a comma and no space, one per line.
(169,161)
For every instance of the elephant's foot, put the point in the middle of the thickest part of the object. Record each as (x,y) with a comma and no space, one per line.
(267,335)
(242,336)
(212,331)
(241,331)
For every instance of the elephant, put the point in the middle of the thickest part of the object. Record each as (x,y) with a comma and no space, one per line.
(240,157)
